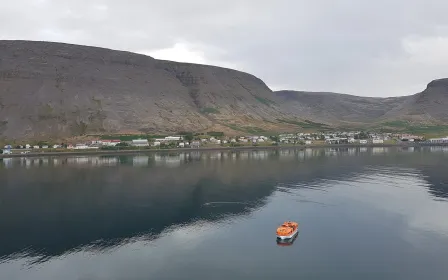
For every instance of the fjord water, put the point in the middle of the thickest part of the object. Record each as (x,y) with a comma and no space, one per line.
(377,213)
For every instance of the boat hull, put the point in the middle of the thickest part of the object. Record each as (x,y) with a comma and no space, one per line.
(284,237)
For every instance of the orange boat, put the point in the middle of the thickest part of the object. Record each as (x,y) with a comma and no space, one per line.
(286,242)
(287,230)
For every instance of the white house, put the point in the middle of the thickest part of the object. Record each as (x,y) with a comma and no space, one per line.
(377,141)
(362,141)
(110,143)
(27,146)
(140,143)
(36,147)
(81,147)
(308,142)
(439,140)
(195,144)
(156,143)
(173,138)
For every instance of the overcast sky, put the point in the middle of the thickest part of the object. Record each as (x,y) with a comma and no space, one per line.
(361,47)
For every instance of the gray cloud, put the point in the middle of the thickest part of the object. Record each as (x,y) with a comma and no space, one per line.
(375,48)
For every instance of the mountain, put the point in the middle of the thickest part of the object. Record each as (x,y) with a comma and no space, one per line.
(425,108)
(61,90)
(336,108)
(56,90)
(429,105)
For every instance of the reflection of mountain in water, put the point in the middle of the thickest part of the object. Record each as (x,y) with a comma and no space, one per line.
(50,211)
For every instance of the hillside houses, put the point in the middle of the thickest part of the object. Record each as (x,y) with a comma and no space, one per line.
(203,140)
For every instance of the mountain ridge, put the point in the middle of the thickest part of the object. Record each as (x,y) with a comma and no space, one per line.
(57,90)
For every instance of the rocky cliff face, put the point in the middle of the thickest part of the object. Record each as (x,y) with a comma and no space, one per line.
(54,90)
(335,108)
(59,90)
(427,107)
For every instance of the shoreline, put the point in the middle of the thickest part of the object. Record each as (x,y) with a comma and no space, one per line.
(205,149)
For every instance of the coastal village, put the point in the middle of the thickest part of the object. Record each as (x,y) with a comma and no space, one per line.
(216,139)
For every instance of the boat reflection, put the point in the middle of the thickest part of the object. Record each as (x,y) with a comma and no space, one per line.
(287,242)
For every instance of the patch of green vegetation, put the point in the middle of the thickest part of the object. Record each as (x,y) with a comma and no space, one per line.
(235,127)
(306,124)
(395,124)
(215,133)
(209,110)
(428,130)
(129,137)
(248,129)
(406,127)
(265,101)
(385,130)
(254,130)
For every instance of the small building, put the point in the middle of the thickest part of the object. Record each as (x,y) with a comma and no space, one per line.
(377,141)
(363,141)
(45,147)
(7,149)
(27,146)
(36,147)
(195,144)
(140,143)
(81,147)
(439,140)
(108,143)
(181,145)
(409,137)
(156,144)
(336,140)
(173,138)
(308,142)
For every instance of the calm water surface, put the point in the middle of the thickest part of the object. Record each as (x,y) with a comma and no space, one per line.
(379,213)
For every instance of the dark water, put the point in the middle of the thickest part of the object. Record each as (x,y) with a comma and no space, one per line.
(378,213)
